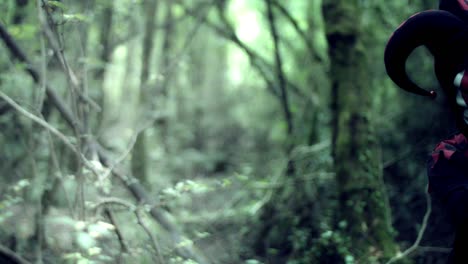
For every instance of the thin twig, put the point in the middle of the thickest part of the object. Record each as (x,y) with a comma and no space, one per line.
(434,249)
(280,76)
(415,246)
(132,208)
(55,100)
(131,145)
(130,182)
(51,129)
(114,200)
(111,218)
(58,172)
(38,120)
(54,43)
(43,84)
(259,63)
(154,241)
(298,29)
(158,214)
(169,67)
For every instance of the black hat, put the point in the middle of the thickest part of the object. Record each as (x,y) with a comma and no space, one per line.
(444,35)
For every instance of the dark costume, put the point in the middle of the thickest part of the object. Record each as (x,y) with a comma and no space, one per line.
(448,182)
(445,34)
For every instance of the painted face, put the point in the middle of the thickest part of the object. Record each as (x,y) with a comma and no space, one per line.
(461,81)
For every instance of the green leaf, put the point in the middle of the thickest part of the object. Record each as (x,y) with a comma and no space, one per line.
(56,4)
(76,17)
(23,31)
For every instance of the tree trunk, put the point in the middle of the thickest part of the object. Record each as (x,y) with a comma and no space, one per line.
(20,11)
(166,68)
(105,39)
(140,152)
(364,209)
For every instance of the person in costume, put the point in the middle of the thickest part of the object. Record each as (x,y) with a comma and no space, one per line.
(444,33)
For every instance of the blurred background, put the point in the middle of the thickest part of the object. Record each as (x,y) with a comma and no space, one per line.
(222,131)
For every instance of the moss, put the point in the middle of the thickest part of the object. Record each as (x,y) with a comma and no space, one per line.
(362,196)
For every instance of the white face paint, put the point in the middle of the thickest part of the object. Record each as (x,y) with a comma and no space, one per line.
(460,100)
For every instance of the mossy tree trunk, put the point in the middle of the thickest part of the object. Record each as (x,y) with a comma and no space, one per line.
(140,151)
(364,209)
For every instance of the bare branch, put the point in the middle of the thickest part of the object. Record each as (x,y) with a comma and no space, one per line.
(260,64)
(298,29)
(63,61)
(111,217)
(154,241)
(279,68)
(116,201)
(434,249)
(130,182)
(43,85)
(50,128)
(415,246)
(160,215)
(17,53)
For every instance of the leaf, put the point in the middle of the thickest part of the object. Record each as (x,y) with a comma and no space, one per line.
(185,243)
(226,183)
(178,10)
(85,240)
(252,261)
(23,31)
(94,251)
(100,229)
(74,255)
(201,235)
(76,17)
(21,185)
(242,177)
(57,4)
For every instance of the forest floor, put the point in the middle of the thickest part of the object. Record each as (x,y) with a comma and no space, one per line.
(217,219)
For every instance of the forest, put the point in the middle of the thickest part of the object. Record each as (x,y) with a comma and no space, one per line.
(215,131)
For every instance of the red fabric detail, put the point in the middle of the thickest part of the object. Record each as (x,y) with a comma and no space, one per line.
(463,4)
(447,154)
(448,147)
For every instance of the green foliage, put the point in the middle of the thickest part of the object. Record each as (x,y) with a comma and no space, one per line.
(330,247)
(56,4)
(217,144)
